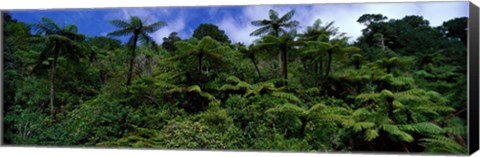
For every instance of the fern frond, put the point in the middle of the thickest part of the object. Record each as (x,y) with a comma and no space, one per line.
(398,104)
(312,90)
(233,79)
(428,128)
(317,107)
(442,144)
(289,109)
(359,126)
(423,73)
(456,130)
(411,95)
(243,85)
(424,128)
(288,96)
(332,118)
(361,112)
(408,127)
(368,97)
(228,87)
(401,81)
(250,92)
(176,90)
(436,97)
(395,130)
(434,109)
(165,85)
(371,134)
(194,88)
(345,121)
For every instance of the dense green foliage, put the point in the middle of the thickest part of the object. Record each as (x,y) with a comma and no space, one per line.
(400,87)
(211,30)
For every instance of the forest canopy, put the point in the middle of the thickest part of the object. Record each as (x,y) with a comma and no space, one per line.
(401,86)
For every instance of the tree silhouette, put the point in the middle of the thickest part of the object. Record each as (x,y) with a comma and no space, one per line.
(207,47)
(250,54)
(283,43)
(139,32)
(61,41)
(275,26)
(211,30)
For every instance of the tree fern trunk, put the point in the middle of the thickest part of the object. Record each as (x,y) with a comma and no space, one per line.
(189,78)
(304,64)
(304,125)
(279,55)
(132,58)
(383,44)
(52,84)
(200,63)
(391,114)
(404,147)
(274,69)
(256,67)
(329,64)
(280,61)
(351,143)
(103,76)
(284,66)
(320,69)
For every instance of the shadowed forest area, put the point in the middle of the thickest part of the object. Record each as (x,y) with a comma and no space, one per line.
(400,87)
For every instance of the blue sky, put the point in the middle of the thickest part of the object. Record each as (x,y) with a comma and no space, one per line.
(235,20)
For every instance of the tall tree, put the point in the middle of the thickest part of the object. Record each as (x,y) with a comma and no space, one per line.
(103,47)
(368,19)
(324,39)
(207,47)
(317,29)
(211,30)
(61,41)
(140,32)
(320,47)
(250,54)
(283,43)
(169,42)
(312,50)
(456,29)
(275,26)
(15,35)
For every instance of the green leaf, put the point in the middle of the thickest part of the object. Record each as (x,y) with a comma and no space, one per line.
(286,96)
(371,134)
(359,126)
(45,63)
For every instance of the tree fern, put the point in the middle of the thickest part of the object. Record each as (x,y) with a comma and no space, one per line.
(442,144)
(287,109)
(359,126)
(288,96)
(401,81)
(371,134)
(254,89)
(426,128)
(396,131)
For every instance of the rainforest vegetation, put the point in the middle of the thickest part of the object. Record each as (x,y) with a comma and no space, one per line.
(400,87)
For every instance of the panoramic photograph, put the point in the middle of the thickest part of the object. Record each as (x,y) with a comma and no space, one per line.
(356,77)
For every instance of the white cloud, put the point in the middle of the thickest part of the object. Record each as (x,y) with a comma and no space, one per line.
(238,26)
(237,31)
(344,15)
(173,26)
